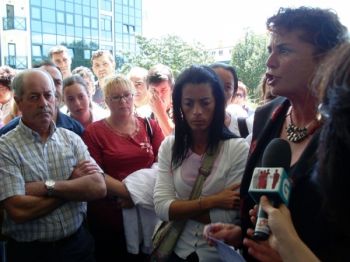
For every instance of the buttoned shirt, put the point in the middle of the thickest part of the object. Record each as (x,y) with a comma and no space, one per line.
(25,158)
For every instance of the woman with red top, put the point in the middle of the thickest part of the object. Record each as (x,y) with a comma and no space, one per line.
(120,144)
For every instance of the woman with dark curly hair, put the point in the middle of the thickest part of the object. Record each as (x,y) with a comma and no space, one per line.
(300,39)
(333,80)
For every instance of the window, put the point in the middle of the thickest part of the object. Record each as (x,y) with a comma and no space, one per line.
(36,14)
(78,31)
(70,30)
(78,9)
(49,28)
(94,34)
(37,38)
(49,39)
(125,28)
(106,23)
(60,17)
(37,50)
(12,49)
(86,21)
(94,23)
(106,27)
(36,2)
(61,29)
(69,6)
(221,52)
(87,54)
(61,39)
(49,4)
(94,12)
(69,19)
(138,4)
(86,33)
(86,10)
(71,52)
(118,17)
(106,5)
(78,20)
(36,26)
(60,5)
(118,28)
(48,15)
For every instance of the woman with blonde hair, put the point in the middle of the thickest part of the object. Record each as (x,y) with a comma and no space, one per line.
(120,144)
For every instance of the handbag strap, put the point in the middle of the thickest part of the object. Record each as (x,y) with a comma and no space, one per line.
(204,171)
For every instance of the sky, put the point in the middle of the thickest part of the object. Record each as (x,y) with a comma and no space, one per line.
(220,23)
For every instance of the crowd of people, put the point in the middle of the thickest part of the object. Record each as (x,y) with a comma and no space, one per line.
(68,143)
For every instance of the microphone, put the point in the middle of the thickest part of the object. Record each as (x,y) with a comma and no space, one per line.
(271,180)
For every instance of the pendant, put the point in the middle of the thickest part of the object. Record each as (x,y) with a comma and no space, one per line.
(146,146)
(296,134)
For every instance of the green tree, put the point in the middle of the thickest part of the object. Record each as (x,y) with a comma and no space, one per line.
(249,58)
(169,50)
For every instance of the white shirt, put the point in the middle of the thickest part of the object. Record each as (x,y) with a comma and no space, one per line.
(176,184)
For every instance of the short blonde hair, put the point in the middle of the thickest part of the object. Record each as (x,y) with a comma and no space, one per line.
(115,83)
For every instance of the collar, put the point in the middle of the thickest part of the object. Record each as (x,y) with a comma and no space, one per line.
(31,134)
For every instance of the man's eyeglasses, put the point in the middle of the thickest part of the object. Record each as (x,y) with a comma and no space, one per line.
(127,97)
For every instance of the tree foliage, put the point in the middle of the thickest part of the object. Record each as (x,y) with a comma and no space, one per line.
(169,50)
(249,58)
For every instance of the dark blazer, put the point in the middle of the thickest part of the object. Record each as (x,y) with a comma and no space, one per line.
(305,201)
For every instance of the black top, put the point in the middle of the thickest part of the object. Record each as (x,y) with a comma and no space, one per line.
(305,202)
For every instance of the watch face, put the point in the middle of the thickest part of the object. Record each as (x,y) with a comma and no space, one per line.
(50,183)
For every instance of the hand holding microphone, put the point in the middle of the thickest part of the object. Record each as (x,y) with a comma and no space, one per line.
(272,181)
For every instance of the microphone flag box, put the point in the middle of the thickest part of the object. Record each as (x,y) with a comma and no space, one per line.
(272,182)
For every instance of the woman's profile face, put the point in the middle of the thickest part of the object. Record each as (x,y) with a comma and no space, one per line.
(290,65)
(198,106)
(76,99)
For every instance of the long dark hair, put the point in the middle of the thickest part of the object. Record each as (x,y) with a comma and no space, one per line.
(334,145)
(198,74)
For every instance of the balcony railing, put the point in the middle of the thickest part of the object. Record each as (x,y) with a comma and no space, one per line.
(17,62)
(14,23)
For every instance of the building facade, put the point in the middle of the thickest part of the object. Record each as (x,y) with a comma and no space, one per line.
(30,28)
(221,54)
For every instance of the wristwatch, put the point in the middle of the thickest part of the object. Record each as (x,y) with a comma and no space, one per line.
(50,186)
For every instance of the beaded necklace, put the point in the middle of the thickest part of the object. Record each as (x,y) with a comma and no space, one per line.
(297,134)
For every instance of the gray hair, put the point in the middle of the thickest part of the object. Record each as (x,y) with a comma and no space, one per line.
(84,72)
(57,50)
(18,81)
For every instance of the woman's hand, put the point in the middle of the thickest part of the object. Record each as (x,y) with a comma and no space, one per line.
(229,233)
(280,223)
(261,250)
(283,243)
(227,198)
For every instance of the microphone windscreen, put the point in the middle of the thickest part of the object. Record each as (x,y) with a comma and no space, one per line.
(277,154)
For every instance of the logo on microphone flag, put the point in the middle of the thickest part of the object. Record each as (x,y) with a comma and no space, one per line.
(272,182)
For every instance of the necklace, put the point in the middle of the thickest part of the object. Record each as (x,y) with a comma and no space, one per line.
(124,133)
(297,134)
